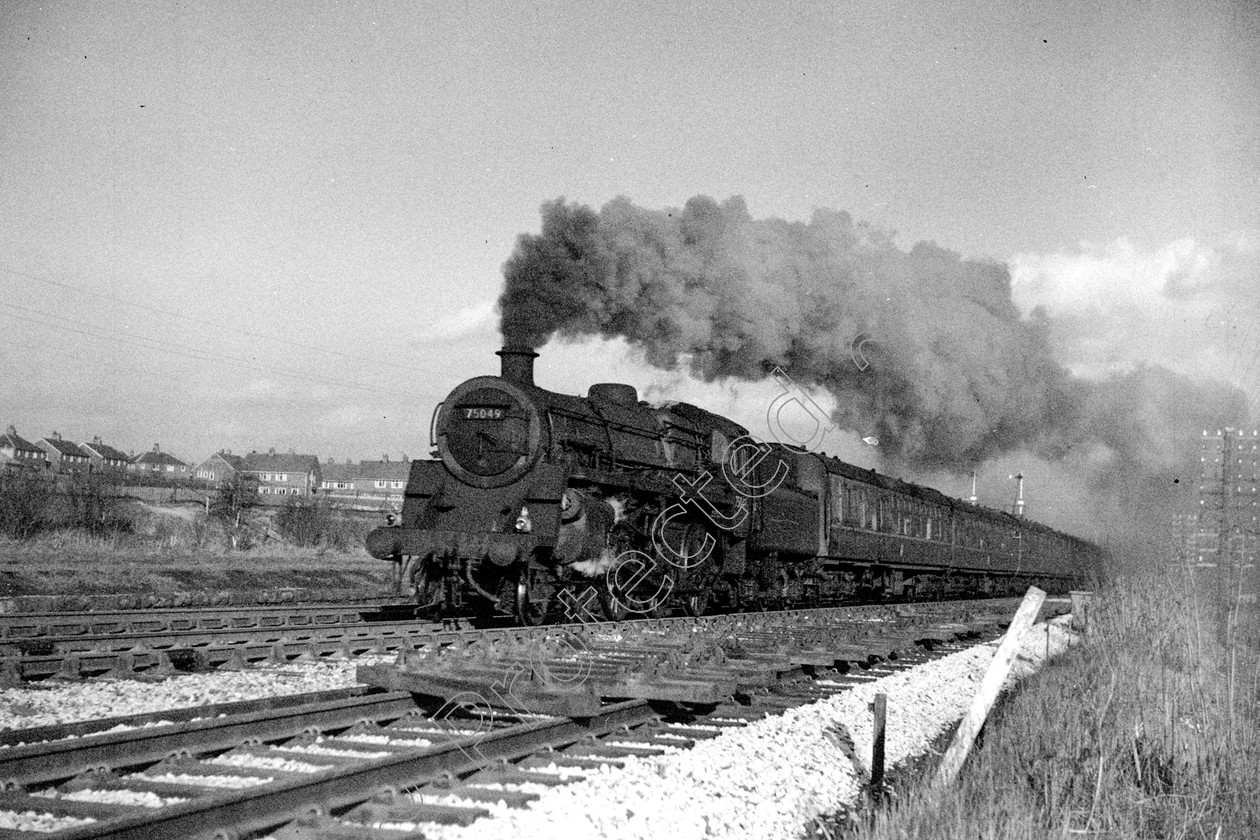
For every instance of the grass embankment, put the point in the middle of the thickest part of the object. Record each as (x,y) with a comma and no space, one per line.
(1150,728)
(165,551)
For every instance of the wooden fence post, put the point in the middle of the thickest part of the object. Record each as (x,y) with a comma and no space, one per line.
(954,757)
(1081,603)
(880,708)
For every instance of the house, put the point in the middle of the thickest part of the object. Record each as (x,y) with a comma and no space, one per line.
(65,456)
(17,454)
(103,458)
(372,484)
(219,467)
(156,463)
(282,476)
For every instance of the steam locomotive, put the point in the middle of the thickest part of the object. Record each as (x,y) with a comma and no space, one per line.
(544,506)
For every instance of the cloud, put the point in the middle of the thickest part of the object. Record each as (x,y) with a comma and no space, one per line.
(470,322)
(1189,306)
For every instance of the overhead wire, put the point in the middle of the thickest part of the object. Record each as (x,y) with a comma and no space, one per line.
(159,345)
(410,368)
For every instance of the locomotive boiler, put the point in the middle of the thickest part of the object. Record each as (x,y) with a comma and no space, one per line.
(545,506)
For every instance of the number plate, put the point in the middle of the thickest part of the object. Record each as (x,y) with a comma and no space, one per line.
(480,412)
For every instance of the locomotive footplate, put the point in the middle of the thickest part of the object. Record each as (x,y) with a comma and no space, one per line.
(500,549)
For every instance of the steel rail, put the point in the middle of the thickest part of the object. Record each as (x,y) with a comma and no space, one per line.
(56,760)
(18,627)
(232,813)
(12,738)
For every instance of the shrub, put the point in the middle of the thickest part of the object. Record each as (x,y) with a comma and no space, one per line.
(314,523)
(24,505)
(93,505)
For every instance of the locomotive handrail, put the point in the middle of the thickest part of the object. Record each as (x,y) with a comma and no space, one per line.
(433,423)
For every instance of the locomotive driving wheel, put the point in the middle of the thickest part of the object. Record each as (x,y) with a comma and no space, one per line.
(533,598)
(697,603)
(613,607)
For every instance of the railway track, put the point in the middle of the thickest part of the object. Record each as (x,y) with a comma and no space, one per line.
(157,642)
(36,626)
(294,763)
(122,643)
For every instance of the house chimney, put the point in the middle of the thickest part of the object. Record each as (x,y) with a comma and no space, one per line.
(517,365)
(56,435)
(385,457)
(96,439)
(12,430)
(157,448)
(271,451)
(405,458)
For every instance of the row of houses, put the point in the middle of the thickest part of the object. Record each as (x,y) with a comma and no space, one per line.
(278,476)
(281,475)
(56,454)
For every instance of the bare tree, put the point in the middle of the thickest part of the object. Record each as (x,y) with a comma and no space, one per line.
(236,496)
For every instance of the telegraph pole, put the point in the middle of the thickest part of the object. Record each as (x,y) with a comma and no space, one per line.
(1223,552)
(1233,498)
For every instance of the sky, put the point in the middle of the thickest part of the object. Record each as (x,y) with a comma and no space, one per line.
(237,225)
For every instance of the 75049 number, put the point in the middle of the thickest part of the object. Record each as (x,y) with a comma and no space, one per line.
(483,413)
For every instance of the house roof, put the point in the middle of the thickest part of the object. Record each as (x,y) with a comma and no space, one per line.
(158,458)
(233,461)
(12,440)
(65,447)
(373,470)
(105,451)
(236,462)
(283,462)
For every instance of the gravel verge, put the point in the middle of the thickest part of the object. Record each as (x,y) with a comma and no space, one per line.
(767,780)
(50,703)
(770,779)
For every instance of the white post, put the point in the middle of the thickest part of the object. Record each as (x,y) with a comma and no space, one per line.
(989,688)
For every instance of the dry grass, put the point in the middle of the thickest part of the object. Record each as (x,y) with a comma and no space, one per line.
(1151,728)
(181,550)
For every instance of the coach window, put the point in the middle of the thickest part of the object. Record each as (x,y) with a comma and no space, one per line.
(719,448)
(838,504)
(851,506)
(809,474)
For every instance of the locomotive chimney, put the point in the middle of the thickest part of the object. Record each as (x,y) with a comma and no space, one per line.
(518,364)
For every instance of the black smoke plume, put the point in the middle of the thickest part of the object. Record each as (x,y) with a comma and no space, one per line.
(921,348)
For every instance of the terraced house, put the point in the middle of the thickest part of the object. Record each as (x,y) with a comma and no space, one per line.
(104,458)
(282,476)
(17,454)
(369,484)
(65,456)
(219,467)
(158,463)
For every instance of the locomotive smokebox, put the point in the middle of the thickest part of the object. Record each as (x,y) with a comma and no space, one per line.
(518,364)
